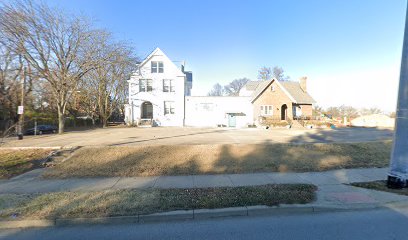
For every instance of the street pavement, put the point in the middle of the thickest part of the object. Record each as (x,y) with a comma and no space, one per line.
(333,189)
(380,224)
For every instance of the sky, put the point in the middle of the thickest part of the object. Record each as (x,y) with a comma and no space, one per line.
(350,50)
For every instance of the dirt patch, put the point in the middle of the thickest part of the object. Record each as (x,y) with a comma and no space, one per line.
(16,162)
(217,159)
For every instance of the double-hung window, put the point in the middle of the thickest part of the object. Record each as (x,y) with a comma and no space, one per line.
(145,85)
(168,85)
(157,67)
(168,107)
(266,110)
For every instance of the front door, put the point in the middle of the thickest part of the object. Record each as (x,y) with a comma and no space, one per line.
(232,120)
(147,110)
(284,112)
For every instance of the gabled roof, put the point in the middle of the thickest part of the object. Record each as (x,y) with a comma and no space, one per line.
(260,87)
(297,92)
(156,52)
(291,89)
(252,85)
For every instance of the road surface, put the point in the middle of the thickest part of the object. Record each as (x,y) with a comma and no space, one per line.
(374,224)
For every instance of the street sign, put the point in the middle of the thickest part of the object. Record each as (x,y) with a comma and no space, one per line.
(20,110)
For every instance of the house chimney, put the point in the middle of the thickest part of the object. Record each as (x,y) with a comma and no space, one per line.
(302,82)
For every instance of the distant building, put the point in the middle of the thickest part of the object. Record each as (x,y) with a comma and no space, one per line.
(160,95)
(373,120)
(279,99)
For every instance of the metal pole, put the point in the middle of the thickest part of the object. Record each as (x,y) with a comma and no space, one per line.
(398,176)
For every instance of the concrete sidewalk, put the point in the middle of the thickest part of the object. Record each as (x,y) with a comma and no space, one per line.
(333,191)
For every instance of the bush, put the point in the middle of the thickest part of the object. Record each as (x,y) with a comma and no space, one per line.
(274,122)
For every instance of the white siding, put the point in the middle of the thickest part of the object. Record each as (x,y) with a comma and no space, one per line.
(157,97)
(213,111)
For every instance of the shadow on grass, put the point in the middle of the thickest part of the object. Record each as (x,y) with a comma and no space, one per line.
(219,159)
(347,134)
(168,137)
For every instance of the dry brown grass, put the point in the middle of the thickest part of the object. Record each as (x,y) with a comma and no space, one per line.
(381,185)
(15,162)
(134,202)
(217,159)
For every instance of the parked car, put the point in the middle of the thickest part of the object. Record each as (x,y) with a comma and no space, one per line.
(41,129)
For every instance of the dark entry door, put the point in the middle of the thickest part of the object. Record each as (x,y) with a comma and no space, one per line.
(147,110)
(284,112)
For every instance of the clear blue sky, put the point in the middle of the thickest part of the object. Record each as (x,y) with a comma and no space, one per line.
(349,49)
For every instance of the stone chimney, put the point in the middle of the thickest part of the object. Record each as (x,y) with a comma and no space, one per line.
(302,82)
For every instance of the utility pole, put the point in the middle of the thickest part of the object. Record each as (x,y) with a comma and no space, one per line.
(21,107)
(398,176)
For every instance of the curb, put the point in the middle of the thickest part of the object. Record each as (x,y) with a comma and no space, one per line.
(198,214)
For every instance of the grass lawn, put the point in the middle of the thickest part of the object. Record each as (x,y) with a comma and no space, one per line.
(381,186)
(15,162)
(133,202)
(217,159)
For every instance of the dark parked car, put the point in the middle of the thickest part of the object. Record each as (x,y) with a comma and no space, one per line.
(42,129)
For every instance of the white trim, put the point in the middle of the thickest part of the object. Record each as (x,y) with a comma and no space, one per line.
(286,92)
(280,85)
(268,108)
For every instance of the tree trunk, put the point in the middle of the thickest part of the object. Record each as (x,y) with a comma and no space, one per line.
(104,122)
(61,120)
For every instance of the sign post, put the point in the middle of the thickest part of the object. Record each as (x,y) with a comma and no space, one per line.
(398,175)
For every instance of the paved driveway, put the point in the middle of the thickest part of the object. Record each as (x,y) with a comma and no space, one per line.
(187,135)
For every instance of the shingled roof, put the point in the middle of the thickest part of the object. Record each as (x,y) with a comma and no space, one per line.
(292,89)
(297,92)
(252,85)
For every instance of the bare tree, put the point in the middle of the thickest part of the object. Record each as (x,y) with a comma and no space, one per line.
(56,45)
(369,111)
(278,74)
(15,81)
(233,88)
(217,90)
(108,79)
(265,73)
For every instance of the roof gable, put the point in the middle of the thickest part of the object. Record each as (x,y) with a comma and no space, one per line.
(291,89)
(158,52)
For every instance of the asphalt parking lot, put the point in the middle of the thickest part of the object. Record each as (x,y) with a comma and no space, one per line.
(192,136)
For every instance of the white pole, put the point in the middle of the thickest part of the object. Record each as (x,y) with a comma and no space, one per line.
(398,176)
(133,116)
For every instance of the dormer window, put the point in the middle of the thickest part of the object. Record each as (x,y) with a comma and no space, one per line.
(157,67)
